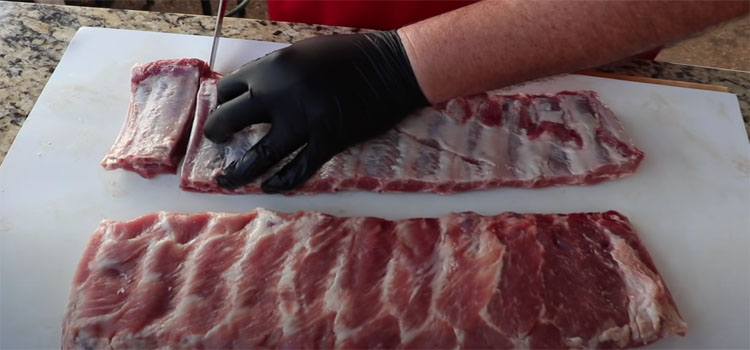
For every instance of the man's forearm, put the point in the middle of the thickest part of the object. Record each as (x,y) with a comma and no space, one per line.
(497,43)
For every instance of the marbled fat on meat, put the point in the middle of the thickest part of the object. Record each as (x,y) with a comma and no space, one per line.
(308,280)
(153,136)
(204,160)
(478,142)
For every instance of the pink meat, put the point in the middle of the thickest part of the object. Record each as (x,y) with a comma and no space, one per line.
(205,159)
(153,137)
(309,280)
(483,141)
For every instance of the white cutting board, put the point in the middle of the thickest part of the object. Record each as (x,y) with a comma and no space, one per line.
(690,201)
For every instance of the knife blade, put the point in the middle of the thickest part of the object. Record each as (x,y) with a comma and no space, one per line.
(217,31)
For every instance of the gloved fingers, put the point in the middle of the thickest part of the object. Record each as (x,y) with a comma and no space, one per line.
(297,171)
(233,116)
(231,86)
(271,149)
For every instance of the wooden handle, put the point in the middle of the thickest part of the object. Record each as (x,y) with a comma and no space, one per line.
(656,81)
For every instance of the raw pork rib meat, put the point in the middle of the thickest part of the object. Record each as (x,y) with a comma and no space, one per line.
(204,159)
(478,142)
(309,280)
(152,139)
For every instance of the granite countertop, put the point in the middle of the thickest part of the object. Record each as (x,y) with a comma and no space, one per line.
(35,36)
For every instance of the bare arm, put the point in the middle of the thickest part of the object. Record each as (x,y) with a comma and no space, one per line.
(497,43)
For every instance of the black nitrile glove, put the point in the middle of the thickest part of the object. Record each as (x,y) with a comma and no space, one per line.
(326,94)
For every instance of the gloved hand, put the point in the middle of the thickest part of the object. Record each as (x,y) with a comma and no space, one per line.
(325,93)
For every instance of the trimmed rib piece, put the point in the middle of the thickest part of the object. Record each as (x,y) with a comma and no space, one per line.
(204,159)
(309,280)
(484,141)
(153,137)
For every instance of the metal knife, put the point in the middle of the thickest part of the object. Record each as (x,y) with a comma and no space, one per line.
(217,31)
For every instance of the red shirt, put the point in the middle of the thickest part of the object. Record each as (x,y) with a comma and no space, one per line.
(373,14)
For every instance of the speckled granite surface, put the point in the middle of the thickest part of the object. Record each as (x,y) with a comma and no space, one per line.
(34,37)
(727,43)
